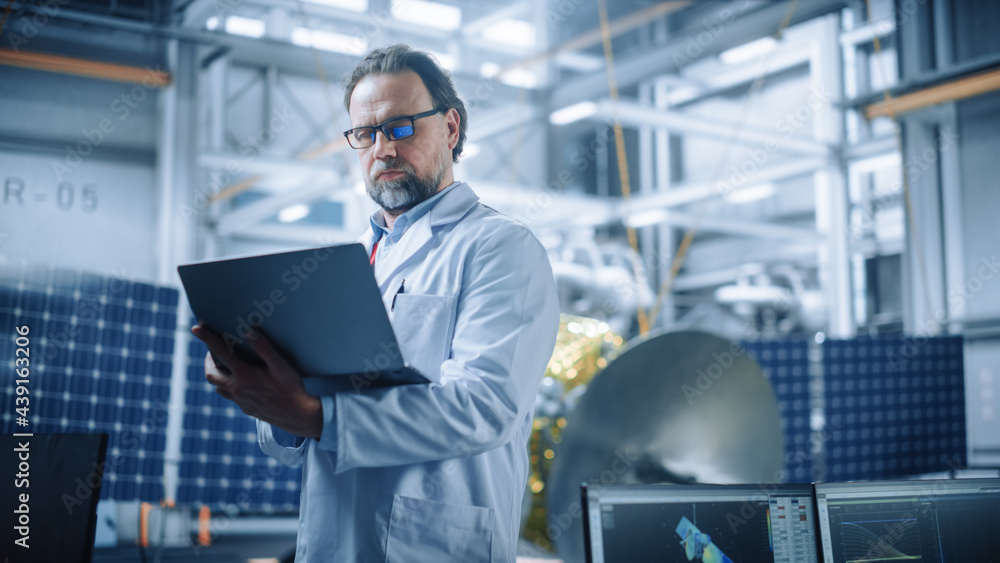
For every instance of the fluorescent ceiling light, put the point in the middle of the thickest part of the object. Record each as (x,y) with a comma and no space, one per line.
(351,5)
(751,193)
(329,41)
(447,61)
(647,218)
(427,14)
(748,51)
(247,27)
(470,150)
(489,69)
(520,78)
(575,112)
(517,33)
(212,23)
(293,213)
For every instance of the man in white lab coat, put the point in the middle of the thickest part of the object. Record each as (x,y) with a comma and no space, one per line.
(418,473)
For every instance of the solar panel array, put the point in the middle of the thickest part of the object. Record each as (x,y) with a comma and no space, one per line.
(895,406)
(100,351)
(785,363)
(221,461)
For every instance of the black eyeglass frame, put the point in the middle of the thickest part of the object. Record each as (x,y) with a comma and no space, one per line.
(382,127)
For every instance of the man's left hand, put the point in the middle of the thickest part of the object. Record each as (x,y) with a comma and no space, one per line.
(273,392)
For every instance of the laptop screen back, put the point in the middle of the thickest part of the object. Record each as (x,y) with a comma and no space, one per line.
(735,523)
(927,521)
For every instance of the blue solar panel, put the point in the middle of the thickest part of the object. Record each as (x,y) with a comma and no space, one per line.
(97,358)
(221,461)
(895,406)
(786,365)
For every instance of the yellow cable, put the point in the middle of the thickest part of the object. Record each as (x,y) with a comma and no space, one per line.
(620,151)
(685,246)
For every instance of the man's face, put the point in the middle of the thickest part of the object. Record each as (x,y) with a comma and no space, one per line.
(400,174)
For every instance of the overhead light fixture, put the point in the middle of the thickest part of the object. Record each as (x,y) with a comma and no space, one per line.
(575,112)
(351,5)
(748,51)
(470,150)
(519,78)
(293,213)
(489,69)
(212,23)
(516,33)
(647,218)
(751,193)
(445,60)
(427,14)
(329,41)
(247,27)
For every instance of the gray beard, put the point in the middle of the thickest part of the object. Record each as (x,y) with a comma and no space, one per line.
(401,195)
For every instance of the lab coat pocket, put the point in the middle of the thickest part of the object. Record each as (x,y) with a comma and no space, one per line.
(426,530)
(424,326)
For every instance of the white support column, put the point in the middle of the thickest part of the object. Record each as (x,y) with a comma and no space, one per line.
(667,244)
(177,173)
(832,202)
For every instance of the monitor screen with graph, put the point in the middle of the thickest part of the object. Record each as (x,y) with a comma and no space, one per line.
(765,523)
(926,521)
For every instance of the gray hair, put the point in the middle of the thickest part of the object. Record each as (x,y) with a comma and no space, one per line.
(400,57)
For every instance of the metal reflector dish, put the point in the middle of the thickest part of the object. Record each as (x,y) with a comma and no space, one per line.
(679,407)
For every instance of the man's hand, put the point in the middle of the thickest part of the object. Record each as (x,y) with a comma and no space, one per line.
(273,392)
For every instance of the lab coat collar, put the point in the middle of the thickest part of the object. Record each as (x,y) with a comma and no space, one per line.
(452,207)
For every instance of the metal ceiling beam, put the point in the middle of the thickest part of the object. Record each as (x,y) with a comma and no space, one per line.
(683,194)
(634,115)
(219,160)
(476,26)
(593,36)
(296,234)
(91,69)
(664,60)
(198,11)
(254,213)
(739,227)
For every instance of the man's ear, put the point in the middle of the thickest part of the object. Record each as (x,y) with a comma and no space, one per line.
(452,121)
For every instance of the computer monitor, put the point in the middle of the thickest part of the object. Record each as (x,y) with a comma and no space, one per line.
(50,497)
(713,523)
(940,521)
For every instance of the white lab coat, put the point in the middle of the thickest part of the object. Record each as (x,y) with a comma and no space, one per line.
(436,472)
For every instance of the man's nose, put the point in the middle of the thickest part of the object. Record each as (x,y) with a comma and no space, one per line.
(383,147)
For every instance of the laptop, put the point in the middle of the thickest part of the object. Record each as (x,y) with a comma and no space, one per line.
(50,499)
(930,521)
(320,307)
(719,523)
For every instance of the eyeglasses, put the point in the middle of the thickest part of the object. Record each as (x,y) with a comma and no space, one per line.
(395,129)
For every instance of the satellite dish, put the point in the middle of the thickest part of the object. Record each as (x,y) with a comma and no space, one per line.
(679,407)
